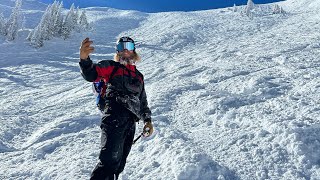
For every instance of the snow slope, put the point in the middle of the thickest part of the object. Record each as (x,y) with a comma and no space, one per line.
(232,97)
(304,5)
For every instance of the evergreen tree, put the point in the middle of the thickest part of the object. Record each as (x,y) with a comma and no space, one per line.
(52,24)
(49,26)
(51,17)
(58,20)
(46,24)
(12,25)
(84,25)
(277,9)
(249,7)
(36,39)
(234,8)
(2,24)
(68,23)
(76,16)
(42,31)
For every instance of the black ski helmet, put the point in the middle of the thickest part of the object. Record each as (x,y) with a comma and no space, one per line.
(125,39)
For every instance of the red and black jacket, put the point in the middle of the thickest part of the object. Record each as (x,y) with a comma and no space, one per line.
(126,85)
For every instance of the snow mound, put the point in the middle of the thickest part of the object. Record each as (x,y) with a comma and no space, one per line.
(192,165)
(172,152)
(306,143)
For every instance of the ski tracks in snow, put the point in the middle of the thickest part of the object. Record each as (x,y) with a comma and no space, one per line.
(237,101)
(48,114)
(232,98)
(171,150)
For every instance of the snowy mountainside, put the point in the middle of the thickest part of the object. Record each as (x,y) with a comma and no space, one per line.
(30,6)
(304,5)
(240,79)
(232,97)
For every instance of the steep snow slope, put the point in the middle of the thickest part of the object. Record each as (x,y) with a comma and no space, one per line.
(232,97)
(304,5)
(246,91)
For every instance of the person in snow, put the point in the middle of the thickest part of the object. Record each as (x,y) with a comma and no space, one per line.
(123,102)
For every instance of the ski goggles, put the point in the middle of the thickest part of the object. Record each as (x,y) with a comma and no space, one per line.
(125,45)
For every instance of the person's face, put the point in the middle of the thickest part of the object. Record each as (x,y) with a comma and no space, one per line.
(126,53)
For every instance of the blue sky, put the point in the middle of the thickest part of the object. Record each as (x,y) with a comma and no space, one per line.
(159,5)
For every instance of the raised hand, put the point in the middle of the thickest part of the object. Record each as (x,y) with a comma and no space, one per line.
(85,48)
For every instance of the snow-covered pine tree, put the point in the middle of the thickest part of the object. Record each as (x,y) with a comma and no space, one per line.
(36,39)
(234,8)
(68,23)
(77,15)
(42,31)
(2,24)
(12,25)
(76,20)
(277,9)
(52,24)
(249,7)
(46,24)
(49,26)
(282,11)
(83,22)
(51,17)
(58,20)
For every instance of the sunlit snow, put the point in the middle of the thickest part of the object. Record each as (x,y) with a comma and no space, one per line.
(232,96)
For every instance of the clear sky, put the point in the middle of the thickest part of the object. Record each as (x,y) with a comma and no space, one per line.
(159,5)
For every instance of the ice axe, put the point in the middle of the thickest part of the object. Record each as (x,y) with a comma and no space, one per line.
(145,134)
(135,140)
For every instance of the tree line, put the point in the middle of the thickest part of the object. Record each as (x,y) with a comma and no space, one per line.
(52,24)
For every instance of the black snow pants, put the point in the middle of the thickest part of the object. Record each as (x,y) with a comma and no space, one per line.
(117,134)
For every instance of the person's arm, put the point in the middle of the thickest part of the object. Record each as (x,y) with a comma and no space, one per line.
(88,70)
(145,112)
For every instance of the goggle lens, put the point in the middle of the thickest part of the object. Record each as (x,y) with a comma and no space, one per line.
(125,45)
